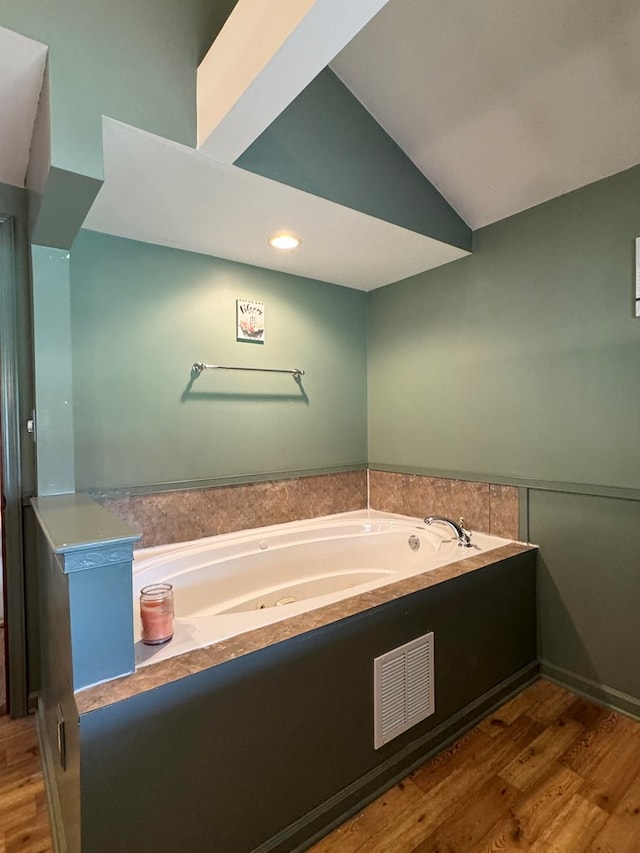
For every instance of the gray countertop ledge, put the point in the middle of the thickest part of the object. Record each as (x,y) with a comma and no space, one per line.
(83,533)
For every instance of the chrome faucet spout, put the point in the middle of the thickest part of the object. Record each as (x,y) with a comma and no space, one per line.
(461,533)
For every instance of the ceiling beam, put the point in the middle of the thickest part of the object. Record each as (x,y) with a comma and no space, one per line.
(265,55)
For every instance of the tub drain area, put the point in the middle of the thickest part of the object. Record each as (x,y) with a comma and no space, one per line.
(262,604)
(310,588)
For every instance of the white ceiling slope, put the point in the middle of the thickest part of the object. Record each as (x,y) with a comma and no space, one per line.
(158,191)
(503,105)
(264,56)
(22,63)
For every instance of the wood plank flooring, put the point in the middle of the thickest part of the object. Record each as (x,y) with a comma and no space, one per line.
(3,677)
(548,773)
(24,823)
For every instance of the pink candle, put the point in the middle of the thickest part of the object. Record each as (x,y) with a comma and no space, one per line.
(156,613)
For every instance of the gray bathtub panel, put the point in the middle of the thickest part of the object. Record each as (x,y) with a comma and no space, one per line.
(230,758)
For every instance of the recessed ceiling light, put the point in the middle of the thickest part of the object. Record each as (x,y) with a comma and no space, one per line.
(287,242)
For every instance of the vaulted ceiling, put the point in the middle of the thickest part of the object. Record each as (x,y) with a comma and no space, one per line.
(503,105)
(497,105)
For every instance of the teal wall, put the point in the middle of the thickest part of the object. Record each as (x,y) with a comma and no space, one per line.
(326,143)
(135,62)
(521,364)
(141,315)
(12,201)
(53,379)
(589,593)
(522,359)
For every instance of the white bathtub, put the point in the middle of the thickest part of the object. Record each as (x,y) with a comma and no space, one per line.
(228,584)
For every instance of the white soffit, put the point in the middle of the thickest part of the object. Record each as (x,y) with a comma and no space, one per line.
(22,63)
(157,191)
(503,105)
(267,52)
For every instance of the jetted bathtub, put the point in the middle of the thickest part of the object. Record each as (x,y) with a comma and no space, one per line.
(228,584)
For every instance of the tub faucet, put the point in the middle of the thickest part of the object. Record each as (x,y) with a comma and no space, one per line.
(462,534)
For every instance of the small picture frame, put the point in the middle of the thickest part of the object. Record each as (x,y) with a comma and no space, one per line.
(250,321)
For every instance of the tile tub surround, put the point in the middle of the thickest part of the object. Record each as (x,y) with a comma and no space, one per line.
(172,669)
(504,511)
(488,508)
(180,516)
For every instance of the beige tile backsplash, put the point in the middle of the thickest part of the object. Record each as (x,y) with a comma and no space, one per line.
(180,516)
(484,507)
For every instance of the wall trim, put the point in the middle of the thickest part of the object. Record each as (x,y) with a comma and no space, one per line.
(599,693)
(50,785)
(213,482)
(300,835)
(10,464)
(95,557)
(594,489)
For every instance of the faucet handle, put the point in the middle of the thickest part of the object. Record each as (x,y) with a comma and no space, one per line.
(466,534)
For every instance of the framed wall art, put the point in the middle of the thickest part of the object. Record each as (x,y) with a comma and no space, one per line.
(250,320)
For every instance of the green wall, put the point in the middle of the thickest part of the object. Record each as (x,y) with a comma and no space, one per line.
(52,361)
(523,359)
(135,62)
(12,201)
(326,143)
(521,364)
(589,593)
(141,315)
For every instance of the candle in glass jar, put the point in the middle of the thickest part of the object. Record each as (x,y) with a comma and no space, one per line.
(156,613)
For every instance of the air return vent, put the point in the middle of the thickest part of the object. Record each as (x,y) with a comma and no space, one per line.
(403,688)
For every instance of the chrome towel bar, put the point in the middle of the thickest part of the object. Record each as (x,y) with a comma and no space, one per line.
(199,366)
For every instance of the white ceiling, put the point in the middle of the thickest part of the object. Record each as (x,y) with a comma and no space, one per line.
(22,64)
(503,104)
(282,46)
(158,191)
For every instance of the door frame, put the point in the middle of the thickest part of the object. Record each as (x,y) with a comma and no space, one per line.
(10,448)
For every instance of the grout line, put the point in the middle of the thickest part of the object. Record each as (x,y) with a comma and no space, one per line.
(523,514)
(490,504)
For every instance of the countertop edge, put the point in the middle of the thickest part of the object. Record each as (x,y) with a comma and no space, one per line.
(74,522)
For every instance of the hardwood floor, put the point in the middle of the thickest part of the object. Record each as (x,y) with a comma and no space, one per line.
(3,678)
(548,773)
(24,823)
